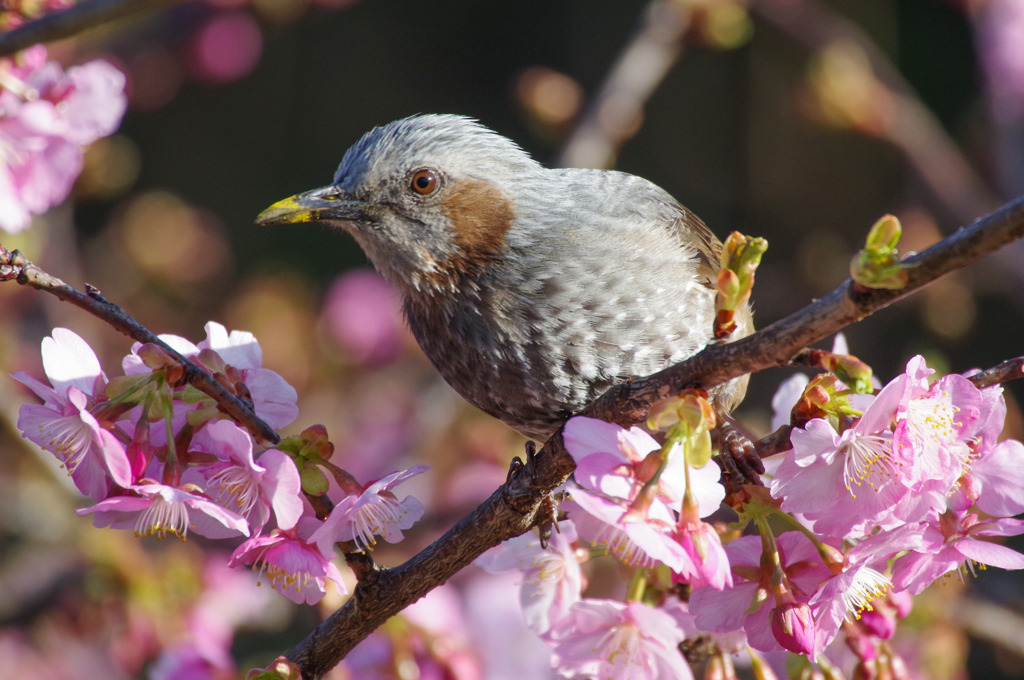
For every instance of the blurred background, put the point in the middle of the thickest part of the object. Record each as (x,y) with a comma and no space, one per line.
(802,121)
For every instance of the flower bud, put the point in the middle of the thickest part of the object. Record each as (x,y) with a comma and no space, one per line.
(878,264)
(280,669)
(154,356)
(793,627)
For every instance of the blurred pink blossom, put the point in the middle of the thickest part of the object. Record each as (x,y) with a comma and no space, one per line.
(431,644)
(364,315)
(227,47)
(1000,39)
(46,116)
(230,599)
(552,580)
(618,641)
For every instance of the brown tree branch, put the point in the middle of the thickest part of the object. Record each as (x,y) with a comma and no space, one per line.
(74,20)
(513,508)
(14,267)
(1011,369)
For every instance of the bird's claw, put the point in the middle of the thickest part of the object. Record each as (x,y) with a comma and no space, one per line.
(739,460)
(547,513)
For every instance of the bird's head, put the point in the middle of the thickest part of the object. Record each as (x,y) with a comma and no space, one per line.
(428,198)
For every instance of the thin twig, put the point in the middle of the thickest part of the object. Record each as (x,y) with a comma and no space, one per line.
(908,125)
(74,20)
(773,443)
(995,623)
(1011,369)
(14,266)
(513,508)
(613,115)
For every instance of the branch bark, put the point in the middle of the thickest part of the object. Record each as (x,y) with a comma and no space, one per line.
(14,266)
(74,20)
(614,114)
(514,507)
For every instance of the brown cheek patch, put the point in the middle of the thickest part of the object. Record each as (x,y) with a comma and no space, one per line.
(480,214)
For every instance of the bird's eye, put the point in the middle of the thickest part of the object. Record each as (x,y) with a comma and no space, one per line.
(424,182)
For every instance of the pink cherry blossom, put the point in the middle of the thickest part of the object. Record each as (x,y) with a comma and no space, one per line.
(749,603)
(612,461)
(637,543)
(46,116)
(552,580)
(274,400)
(850,483)
(939,431)
(845,596)
(997,477)
(68,361)
(93,456)
(950,543)
(613,469)
(252,488)
(706,561)
(618,641)
(295,568)
(159,509)
(844,484)
(375,511)
(63,424)
(934,425)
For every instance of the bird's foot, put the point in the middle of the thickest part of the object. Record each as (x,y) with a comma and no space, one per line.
(546,520)
(738,456)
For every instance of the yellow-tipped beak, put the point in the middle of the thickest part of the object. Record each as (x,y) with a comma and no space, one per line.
(320,205)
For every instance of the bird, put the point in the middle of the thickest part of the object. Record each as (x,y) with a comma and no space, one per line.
(532,290)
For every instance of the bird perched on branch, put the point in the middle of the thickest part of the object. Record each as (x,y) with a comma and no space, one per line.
(532,290)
